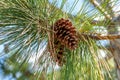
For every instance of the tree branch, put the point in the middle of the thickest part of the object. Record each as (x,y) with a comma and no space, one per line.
(97,5)
(98,37)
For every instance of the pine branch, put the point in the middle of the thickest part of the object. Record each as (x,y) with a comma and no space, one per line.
(98,36)
(99,7)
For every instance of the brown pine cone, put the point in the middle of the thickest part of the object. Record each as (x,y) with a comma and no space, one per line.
(65,33)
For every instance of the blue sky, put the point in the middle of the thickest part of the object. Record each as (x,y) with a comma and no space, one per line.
(69,4)
(1,48)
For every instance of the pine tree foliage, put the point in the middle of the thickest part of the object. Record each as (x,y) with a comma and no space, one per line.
(26,26)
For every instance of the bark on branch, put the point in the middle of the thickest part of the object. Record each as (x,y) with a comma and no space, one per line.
(99,7)
(98,37)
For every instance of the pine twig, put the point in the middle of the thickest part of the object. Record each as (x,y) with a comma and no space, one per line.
(99,7)
(98,37)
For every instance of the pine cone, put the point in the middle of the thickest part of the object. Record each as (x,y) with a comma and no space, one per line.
(64,37)
(60,56)
(65,33)
(59,49)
